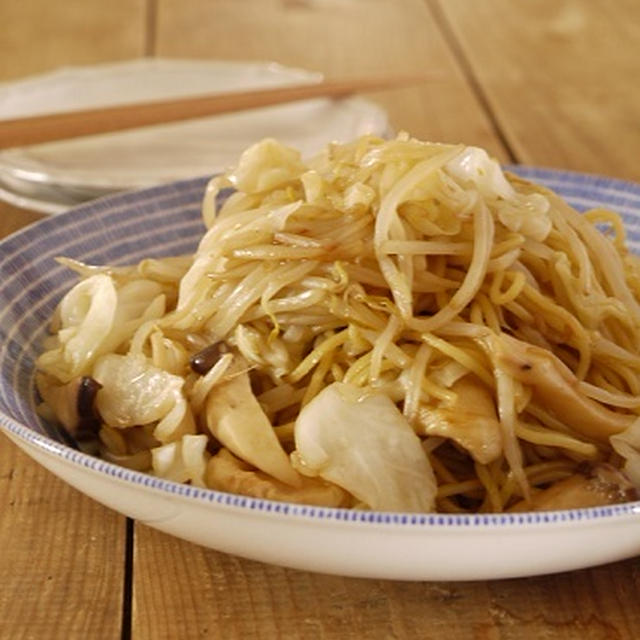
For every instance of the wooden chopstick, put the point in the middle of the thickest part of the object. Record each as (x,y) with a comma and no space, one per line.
(72,124)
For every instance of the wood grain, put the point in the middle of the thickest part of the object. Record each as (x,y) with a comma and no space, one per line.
(217,595)
(244,599)
(593,604)
(39,35)
(62,558)
(559,76)
(340,38)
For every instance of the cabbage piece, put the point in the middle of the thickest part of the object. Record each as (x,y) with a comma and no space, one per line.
(314,187)
(358,195)
(134,392)
(360,441)
(138,301)
(523,213)
(236,419)
(265,166)
(96,317)
(474,165)
(86,315)
(182,461)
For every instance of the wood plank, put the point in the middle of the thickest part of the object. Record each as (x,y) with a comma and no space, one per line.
(216,595)
(560,77)
(40,35)
(62,558)
(339,39)
(592,604)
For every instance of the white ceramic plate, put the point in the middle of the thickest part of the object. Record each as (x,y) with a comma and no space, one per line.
(56,175)
(165,220)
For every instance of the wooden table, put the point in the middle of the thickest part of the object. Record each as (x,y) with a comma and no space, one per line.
(544,82)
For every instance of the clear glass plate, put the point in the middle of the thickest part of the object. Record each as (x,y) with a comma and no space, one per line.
(56,174)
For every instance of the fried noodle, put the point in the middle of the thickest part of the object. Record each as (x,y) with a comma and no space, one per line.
(393,325)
